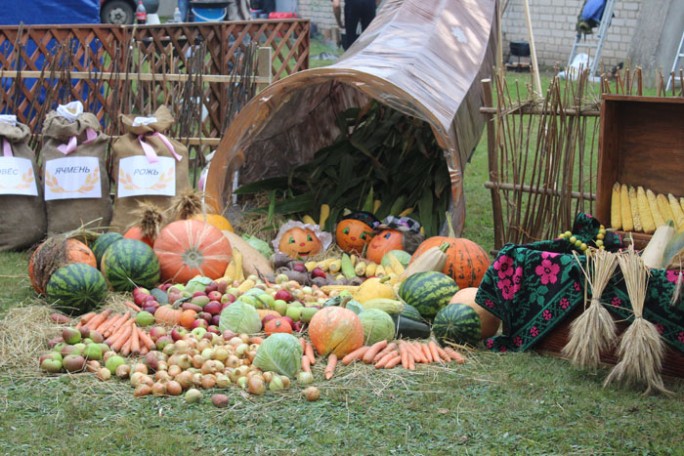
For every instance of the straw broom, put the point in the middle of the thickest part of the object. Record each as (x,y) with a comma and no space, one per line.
(641,349)
(594,331)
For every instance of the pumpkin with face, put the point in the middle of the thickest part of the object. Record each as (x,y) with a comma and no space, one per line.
(383,242)
(299,240)
(355,231)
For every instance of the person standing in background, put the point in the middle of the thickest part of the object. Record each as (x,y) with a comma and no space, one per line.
(355,12)
(183,7)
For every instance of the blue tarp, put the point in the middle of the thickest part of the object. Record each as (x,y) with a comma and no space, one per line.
(593,10)
(48,12)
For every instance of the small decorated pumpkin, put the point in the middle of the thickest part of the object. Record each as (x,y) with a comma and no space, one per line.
(394,234)
(354,231)
(300,240)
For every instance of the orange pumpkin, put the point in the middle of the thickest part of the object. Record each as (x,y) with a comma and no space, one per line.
(382,243)
(135,232)
(352,235)
(300,242)
(54,253)
(466,261)
(277,325)
(335,330)
(489,323)
(216,220)
(187,248)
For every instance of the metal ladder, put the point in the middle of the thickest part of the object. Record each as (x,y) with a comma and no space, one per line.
(597,44)
(678,56)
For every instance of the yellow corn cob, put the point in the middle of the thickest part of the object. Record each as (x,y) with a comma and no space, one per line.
(246,285)
(634,206)
(625,209)
(664,208)
(397,267)
(380,271)
(308,220)
(370,269)
(239,271)
(615,214)
(310,265)
(645,215)
(653,203)
(335,266)
(325,213)
(376,205)
(353,258)
(229,274)
(406,212)
(325,264)
(676,212)
(388,269)
(360,268)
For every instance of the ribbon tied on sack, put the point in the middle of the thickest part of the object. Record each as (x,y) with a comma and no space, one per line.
(147,148)
(72,111)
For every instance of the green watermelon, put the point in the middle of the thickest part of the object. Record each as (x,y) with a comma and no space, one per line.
(458,323)
(428,291)
(411,312)
(76,288)
(103,242)
(130,263)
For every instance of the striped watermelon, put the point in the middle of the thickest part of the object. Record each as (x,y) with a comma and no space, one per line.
(76,288)
(457,323)
(428,291)
(129,263)
(103,242)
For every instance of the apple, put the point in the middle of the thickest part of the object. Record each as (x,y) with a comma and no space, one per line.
(280,306)
(52,343)
(289,320)
(199,293)
(157,331)
(93,351)
(198,331)
(298,326)
(113,362)
(228,334)
(163,341)
(283,295)
(165,286)
(200,323)
(74,363)
(71,335)
(267,318)
(85,332)
(178,333)
(214,295)
(213,307)
(191,306)
(51,365)
(215,320)
(49,355)
(299,267)
(96,337)
(308,313)
(206,316)
(228,298)
(214,329)
(222,285)
(318,272)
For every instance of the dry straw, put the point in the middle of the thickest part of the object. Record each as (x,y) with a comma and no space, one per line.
(594,331)
(641,349)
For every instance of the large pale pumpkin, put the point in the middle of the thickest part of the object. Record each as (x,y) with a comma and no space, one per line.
(335,330)
(489,323)
(188,248)
(466,261)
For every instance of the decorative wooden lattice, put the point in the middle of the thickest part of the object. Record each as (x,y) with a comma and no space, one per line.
(193,68)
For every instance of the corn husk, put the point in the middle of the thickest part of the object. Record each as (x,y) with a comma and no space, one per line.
(641,349)
(594,331)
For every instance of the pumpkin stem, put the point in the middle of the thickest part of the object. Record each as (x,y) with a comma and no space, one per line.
(444,246)
(450,226)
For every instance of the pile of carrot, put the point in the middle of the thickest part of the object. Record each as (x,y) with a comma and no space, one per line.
(386,355)
(119,331)
(308,357)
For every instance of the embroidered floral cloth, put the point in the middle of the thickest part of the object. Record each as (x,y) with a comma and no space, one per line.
(534,287)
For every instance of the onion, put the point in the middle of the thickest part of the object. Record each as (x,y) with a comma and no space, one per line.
(311,393)
(104,374)
(222,381)
(174,388)
(208,381)
(123,371)
(256,385)
(305,378)
(142,390)
(158,389)
(219,400)
(276,383)
(174,370)
(193,395)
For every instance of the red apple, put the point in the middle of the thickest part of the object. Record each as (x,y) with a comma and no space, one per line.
(213,329)
(55,341)
(178,333)
(163,341)
(157,331)
(267,318)
(213,307)
(200,323)
(318,272)
(215,320)
(206,316)
(221,285)
(213,286)
(198,293)
(214,295)
(299,267)
(284,295)
(228,298)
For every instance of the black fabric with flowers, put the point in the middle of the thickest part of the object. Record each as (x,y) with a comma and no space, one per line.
(534,287)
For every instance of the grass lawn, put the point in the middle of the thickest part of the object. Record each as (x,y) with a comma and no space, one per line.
(494,404)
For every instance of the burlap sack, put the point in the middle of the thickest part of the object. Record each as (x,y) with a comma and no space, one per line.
(23,221)
(131,144)
(69,214)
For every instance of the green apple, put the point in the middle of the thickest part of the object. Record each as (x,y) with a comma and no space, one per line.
(144,318)
(92,351)
(113,362)
(280,306)
(308,313)
(294,312)
(71,335)
(51,365)
(198,332)
(252,301)
(266,300)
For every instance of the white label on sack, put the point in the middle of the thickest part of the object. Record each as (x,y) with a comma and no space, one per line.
(72,178)
(139,177)
(17,177)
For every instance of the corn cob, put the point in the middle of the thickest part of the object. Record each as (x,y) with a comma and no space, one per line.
(354,258)
(380,271)
(615,214)
(376,205)
(325,213)
(370,269)
(645,215)
(335,266)
(406,212)
(652,202)
(664,208)
(239,260)
(676,212)
(396,265)
(346,267)
(360,269)
(634,206)
(625,209)
(308,220)
(310,265)
(681,202)
(325,264)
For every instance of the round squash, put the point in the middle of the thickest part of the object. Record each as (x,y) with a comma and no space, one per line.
(466,261)
(352,235)
(335,330)
(489,323)
(300,242)
(188,248)
(384,242)
(54,253)
(136,233)
(215,220)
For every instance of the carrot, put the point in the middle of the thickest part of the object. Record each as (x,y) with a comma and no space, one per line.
(330,367)
(115,334)
(306,364)
(426,352)
(393,362)
(442,354)
(411,362)
(116,325)
(126,349)
(456,356)
(121,338)
(133,306)
(309,351)
(86,318)
(390,348)
(374,350)
(355,355)
(98,319)
(382,362)
(146,340)
(109,322)
(433,351)
(135,341)
(417,353)
(302,342)
(404,355)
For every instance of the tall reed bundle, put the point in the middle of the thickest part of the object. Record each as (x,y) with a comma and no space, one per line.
(641,349)
(594,331)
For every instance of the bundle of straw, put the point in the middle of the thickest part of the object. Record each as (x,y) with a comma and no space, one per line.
(641,349)
(594,331)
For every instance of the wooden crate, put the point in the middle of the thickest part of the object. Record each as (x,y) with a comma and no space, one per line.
(553,343)
(641,143)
